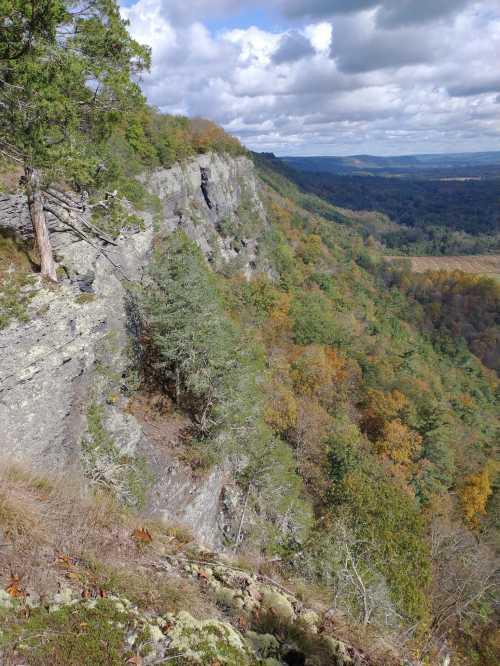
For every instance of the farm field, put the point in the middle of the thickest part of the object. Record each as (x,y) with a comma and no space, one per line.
(488,264)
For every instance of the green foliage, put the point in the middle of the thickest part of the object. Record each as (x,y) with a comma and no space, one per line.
(77,635)
(281,256)
(194,339)
(115,218)
(461,306)
(387,517)
(340,297)
(345,453)
(154,139)
(106,466)
(210,367)
(314,321)
(275,491)
(81,77)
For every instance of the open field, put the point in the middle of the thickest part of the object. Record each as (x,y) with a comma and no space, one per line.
(488,264)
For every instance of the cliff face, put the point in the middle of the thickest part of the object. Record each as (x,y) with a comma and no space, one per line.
(72,353)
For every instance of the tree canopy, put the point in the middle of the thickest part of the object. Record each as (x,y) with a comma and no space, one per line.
(67,76)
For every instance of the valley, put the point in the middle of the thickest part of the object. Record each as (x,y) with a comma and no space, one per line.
(442,204)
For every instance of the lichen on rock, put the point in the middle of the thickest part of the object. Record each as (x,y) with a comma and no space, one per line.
(208,641)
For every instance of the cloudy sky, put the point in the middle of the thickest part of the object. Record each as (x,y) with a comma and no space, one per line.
(329,77)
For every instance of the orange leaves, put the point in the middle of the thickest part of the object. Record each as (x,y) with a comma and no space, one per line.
(318,371)
(381,407)
(279,314)
(15,588)
(142,536)
(69,564)
(87,582)
(66,560)
(206,135)
(136,659)
(279,325)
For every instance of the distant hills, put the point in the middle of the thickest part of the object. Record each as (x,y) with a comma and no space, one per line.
(358,164)
(447,204)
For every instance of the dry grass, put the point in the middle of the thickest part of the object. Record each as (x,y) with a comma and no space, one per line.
(54,531)
(488,264)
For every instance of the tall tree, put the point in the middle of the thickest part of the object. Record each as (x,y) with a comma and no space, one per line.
(67,72)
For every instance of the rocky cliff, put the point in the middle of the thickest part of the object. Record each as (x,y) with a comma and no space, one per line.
(72,354)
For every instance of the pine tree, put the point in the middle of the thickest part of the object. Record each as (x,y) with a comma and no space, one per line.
(66,77)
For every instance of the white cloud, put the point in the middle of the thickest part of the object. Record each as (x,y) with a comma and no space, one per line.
(360,80)
(320,35)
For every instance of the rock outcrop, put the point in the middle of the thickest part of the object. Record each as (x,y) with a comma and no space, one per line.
(72,351)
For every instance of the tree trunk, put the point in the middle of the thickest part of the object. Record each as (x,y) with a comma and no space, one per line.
(39,221)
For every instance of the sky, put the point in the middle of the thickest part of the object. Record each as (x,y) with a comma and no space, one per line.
(329,77)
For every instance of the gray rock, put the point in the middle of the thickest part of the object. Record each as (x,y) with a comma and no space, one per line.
(51,368)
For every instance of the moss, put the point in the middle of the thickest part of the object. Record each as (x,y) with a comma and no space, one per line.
(92,634)
(276,603)
(265,645)
(208,642)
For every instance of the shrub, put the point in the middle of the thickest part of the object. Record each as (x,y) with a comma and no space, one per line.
(106,466)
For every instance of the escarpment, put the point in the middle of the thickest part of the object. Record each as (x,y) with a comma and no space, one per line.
(73,355)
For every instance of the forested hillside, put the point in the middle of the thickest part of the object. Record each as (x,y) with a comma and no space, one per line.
(350,406)
(439,211)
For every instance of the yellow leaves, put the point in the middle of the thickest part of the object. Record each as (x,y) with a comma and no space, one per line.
(279,314)
(310,249)
(66,561)
(400,444)
(142,536)
(475,494)
(69,564)
(465,402)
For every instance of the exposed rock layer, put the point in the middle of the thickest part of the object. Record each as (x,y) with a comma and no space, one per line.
(51,367)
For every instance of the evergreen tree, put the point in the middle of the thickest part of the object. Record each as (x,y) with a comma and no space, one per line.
(66,77)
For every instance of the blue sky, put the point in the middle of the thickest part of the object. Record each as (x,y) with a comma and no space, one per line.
(330,77)
(246,17)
